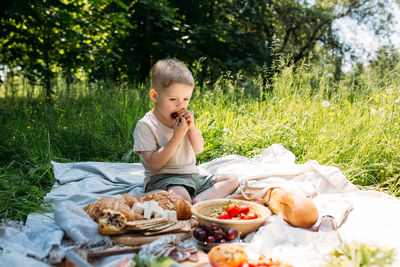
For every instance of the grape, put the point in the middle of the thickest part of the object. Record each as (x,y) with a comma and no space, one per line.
(222,241)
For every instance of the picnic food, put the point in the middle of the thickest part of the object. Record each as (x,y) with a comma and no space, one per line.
(296,209)
(129,199)
(227,255)
(239,196)
(234,211)
(170,201)
(111,222)
(95,209)
(171,246)
(264,261)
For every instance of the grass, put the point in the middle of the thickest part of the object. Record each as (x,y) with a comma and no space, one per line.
(353,125)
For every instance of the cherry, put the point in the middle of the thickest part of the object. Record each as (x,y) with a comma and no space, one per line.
(214,226)
(231,234)
(218,234)
(207,226)
(200,234)
(210,239)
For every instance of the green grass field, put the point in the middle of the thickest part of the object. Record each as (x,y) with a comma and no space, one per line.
(353,125)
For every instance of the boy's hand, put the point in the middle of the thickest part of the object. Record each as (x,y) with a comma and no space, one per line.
(189,117)
(180,127)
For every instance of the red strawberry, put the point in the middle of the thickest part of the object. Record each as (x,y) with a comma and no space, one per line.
(233,210)
(244,209)
(224,215)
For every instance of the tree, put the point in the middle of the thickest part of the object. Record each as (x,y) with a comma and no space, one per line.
(45,37)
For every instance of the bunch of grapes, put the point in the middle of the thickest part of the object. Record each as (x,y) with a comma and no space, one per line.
(212,233)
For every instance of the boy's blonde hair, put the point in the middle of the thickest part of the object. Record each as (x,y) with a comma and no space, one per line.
(169,71)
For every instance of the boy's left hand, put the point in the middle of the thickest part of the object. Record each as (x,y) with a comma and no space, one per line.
(188,116)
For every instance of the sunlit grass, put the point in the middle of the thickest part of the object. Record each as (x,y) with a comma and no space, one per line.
(352,126)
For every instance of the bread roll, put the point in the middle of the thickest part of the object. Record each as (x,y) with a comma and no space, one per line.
(95,209)
(129,199)
(227,255)
(296,209)
(170,201)
(111,222)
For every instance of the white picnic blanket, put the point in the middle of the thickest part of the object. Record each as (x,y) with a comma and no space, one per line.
(363,216)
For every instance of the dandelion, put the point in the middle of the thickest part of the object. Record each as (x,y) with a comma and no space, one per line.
(40,102)
(28,127)
(325,104)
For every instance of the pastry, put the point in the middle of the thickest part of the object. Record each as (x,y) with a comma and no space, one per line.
(129,199)
(111,222)
(95,209)
(170,201)
(227,255)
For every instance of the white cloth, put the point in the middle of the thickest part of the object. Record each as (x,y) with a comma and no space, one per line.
(150,134)
(364,216)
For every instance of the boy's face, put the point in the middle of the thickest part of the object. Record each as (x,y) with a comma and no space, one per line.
(172,99)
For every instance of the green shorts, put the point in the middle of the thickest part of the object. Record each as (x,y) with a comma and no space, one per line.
(194,183)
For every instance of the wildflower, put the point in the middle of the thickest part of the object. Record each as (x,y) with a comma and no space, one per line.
(40,102)
(28,127)
(373,111)
(325,104)
(397,100)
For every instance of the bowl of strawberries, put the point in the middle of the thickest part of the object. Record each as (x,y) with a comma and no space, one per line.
(244,216)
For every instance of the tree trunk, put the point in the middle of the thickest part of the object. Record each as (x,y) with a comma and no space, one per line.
(145,62)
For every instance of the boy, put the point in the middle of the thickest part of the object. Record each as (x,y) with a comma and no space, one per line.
(167,139)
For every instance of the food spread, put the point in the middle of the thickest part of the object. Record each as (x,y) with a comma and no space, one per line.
(233,211)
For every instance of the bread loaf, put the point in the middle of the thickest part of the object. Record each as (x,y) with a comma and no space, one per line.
(95,209)
(170,201)
(296,209)
(111,222)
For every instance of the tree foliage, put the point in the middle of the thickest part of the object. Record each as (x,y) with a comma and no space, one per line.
(120,39)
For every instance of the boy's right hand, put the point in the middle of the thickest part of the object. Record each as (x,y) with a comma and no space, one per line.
(180,127)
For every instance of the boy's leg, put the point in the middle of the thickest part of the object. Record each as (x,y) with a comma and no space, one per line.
(223,186)
(180,190)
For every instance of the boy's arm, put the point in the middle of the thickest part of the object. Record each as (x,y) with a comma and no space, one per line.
(195,136)
(196,139)
(155,160)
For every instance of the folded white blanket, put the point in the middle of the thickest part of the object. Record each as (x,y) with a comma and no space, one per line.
(362,216)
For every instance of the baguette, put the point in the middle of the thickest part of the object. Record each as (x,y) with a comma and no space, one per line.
(296,209)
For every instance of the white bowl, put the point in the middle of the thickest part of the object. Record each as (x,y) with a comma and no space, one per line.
(203,210)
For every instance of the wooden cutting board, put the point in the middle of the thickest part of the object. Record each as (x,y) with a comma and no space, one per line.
(137,239)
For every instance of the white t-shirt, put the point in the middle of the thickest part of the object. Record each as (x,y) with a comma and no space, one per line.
(150,134)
